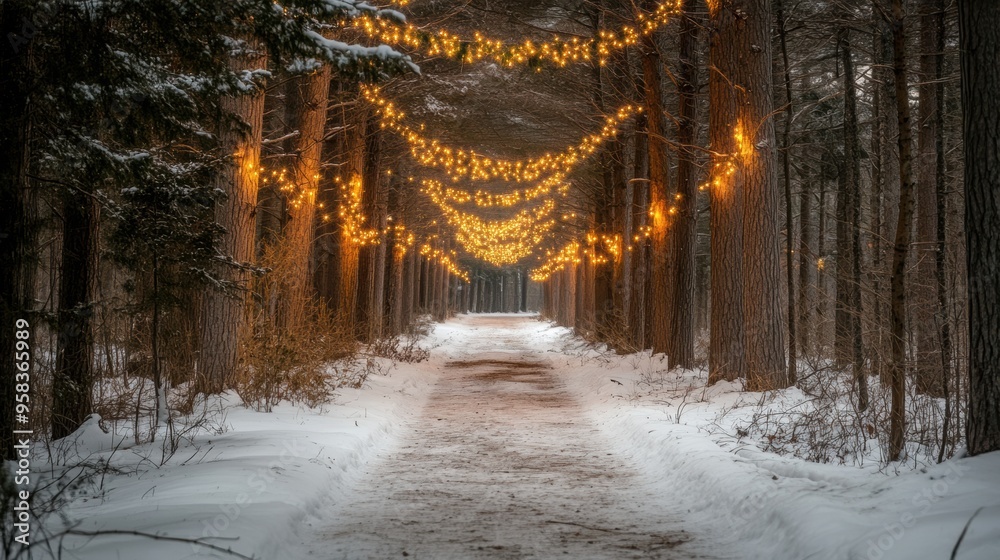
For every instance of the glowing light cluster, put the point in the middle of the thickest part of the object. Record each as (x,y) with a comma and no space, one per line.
(459,163)
(295,195)
(351,217)
(446,259)
(598,248)
(479,47)
(498,242)
(483,198)
(570,254)
(725,165)
(405,239)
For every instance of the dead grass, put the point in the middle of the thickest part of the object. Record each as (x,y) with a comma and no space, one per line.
(289,362)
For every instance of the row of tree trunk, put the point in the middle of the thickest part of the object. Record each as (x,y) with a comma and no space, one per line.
(884,284)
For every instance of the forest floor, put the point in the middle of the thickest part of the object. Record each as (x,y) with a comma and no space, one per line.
(517,439)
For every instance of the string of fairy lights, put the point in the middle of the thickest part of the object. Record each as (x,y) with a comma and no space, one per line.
(461,163)
(601,248)
(481,198)
(479,47)
(503,240)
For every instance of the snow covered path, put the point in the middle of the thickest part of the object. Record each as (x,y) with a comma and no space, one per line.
(515,439)
(503,462)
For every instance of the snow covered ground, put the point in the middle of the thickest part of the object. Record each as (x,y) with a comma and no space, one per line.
(651,469)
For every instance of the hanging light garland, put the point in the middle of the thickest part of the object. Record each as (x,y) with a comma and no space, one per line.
(352,218)
(498,242)
(459,163)
(483,198)
(404,239)
(570,254)
(598,248)
(556,51)
(446,259)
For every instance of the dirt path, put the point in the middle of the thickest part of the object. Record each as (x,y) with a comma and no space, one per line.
(502,463)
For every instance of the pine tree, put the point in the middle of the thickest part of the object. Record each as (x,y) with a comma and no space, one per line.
(979,28)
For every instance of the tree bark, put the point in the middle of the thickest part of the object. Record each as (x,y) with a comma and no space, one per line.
(941,191)
(18,220)
(807,264)
(685,226)
(727,346)
(887,192)
(926,315)
(786,176)
(371,254)
(306,99)
(764,331)
(659,267)
(223,315)
(74,374)
(851,261)
(904,223)
(637,317)
(979,29)
(351,181)
(524,291)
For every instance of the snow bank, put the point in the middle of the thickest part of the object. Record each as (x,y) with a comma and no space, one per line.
(778,507)
(248,488)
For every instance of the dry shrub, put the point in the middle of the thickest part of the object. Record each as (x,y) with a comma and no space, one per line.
(399,349)
(289,359)
(829,427)
(420,326)
(616,333)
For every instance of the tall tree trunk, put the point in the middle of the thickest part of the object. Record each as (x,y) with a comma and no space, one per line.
(445,295)
(223,315)
(979,29)
(306,102)
(904,223)
(410,278)
(352,185)
(326,238)
(877,157)
(685,226)
(74,374)
(820,293)
(396,287)
(569,299)
(727,344)
(659,267)
(18,220)
(941,191)
(889,192)
(637,317)
(424,280)
(807,264)
(750,57)
(929,374)
(579,287)
(600,289)
(786,146)
(369,314)
(851,260)
(524,291)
